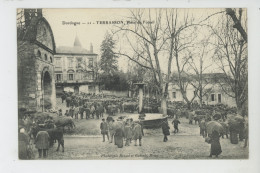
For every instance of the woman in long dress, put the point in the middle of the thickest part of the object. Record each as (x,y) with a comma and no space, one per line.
(119,136)
(215,144)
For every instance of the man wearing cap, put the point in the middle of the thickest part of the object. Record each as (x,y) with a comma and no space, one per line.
(104,129)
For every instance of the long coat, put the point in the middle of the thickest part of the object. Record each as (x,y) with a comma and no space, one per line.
(42,140)
(165,128)
(111,128)
(215,144)
(137,132)
(128,132)
(175,123)
(104,128)
(23,143)
(119,135)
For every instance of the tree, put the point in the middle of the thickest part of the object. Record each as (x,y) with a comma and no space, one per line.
(138,74)
(182,54)
(231,56)
(152,39)
(108,61)
(199,63)
(237,21)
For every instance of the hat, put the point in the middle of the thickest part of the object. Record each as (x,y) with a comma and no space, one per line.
(22,130)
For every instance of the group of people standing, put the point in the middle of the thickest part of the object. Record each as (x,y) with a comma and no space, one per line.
(166,128)
(122,131)
(88,111)
(129,130)
(42,143)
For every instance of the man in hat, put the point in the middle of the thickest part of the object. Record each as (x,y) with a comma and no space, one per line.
(165,129)
(104,129)
(176,123)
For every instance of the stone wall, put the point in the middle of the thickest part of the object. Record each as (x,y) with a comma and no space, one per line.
(31,69)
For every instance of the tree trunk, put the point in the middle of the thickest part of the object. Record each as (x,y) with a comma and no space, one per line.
(201,102)
(241,108)
(200,97)
(189,105)
(164,105)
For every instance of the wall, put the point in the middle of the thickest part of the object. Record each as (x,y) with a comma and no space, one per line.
(63,66)
(30,75)
(216,89)
(32,66)
(82,88)
(115,93)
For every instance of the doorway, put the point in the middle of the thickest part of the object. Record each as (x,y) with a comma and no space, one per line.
(76,90)
(47,90)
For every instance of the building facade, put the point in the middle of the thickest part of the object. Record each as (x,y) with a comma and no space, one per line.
(75,69)
(214,92)
(36,49)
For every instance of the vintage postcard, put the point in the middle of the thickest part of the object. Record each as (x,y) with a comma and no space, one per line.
(132,84)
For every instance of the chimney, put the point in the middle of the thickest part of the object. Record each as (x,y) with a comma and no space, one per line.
(27,17)
(31,13)
(39,12)
(91,48)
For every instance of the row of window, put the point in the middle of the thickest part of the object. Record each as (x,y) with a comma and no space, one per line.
(212,98)
(78,76)
(79,62)
(45,58)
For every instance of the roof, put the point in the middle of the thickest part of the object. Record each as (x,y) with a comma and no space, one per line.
(31,31)
(75,50)
(214,75)
(209,76)
(77,42)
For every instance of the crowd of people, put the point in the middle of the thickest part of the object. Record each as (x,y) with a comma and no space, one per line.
(87,106)
(120,131)
(124,132)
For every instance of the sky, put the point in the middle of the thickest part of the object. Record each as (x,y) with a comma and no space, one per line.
(91,27)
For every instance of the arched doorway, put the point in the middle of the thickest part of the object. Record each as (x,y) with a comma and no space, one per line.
(76,89)
(47,90)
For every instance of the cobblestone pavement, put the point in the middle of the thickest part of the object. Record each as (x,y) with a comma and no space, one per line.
(85,142)
(187,144)
(177,147)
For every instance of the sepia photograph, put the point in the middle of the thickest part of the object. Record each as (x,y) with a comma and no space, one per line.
(132,83)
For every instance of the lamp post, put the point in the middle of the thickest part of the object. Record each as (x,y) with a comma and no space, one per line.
(141,95)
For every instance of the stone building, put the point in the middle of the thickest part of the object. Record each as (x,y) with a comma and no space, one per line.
(212,86)
(36,49)
(75,69)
